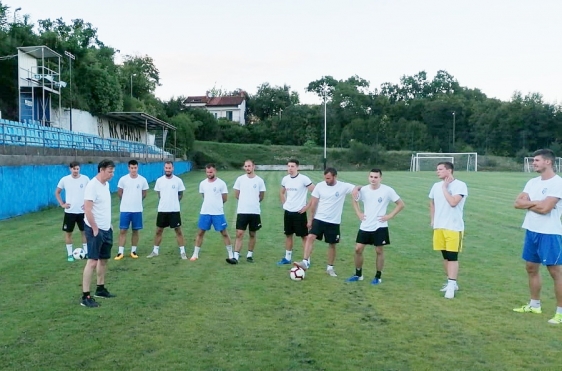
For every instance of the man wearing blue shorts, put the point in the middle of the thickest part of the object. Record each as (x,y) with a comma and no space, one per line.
(542,198)
(131,189)
(215,194)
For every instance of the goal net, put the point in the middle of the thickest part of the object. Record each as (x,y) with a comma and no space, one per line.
(425,161)
(528,164)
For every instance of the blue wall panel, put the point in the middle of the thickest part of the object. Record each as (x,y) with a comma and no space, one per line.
(25,189)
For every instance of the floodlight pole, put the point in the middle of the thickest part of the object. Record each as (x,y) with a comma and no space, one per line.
(71,57)
(15,11)
(454,130)
(324,93)
(134,74)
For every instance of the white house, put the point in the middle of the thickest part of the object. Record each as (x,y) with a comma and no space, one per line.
(232,108)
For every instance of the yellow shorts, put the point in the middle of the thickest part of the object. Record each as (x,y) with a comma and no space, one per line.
(444,239)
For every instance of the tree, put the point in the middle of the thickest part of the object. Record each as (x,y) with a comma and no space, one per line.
(139,76)
(271,100)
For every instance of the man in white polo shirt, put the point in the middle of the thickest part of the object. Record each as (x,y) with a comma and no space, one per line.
(249,190)
(99,233)
(326,209)
(131,189)
(215,194)
(170,192)
(446,206)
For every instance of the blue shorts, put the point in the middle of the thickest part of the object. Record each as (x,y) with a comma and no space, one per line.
(542,248)
(126,219)
(217,221)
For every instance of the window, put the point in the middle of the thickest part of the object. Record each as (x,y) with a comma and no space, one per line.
(214,113)
(229,115)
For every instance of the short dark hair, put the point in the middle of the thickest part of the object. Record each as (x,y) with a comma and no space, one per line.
(375,170)
(248,160)
(547,154)
(447,164)
(169,162)
(104,164)
(331,170)
(133,163)
(294,161)
(210,166)
(74,164)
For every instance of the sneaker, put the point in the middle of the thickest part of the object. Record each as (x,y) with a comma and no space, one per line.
(556,320)
(450,292)
(301,264)
(231,261)
(354,279)
(194,258)
(70,258)
(529,309)
(283,262)
(134,255)
(331,272)
(103,294)
(376,281)
(444,288)
(183,256)
(89,302)
(119,257)
(250,259)
(152,255)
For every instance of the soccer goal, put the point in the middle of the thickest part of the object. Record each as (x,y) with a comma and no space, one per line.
(528,164)
(426,161)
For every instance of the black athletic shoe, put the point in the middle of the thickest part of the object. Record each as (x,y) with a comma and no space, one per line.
(103,294)
(231,261)
(250,259)
(89,302)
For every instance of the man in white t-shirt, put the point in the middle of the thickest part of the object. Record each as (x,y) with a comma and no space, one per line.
(542,198)
(374,222)
(447,198)
(99,233)
(249,190)
(170,192)
(326,208)
(73,205)
(294,189)
(131,189)
(215,194)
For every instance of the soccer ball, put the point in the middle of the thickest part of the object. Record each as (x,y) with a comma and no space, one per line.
(79,254)
(297,274)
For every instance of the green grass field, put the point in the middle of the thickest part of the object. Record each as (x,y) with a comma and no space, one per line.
(171,314)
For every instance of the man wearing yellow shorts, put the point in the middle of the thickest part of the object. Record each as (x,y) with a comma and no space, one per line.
(447,198)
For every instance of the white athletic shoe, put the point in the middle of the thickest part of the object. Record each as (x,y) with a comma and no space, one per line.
(152,255)
(450,292)
(331,272)
(444,288)
(183,256)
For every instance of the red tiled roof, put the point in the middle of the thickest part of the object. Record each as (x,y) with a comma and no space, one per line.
(197,99)
(225,101)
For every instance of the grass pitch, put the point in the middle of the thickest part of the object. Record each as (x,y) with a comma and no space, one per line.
(171,314)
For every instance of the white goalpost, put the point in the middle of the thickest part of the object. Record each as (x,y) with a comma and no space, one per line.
(427,161)
(528,164)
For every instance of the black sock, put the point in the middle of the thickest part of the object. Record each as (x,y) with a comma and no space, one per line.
(85,294)
(378,274)
(100,288)
(359,272)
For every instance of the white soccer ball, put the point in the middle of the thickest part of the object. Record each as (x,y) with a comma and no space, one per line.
(79,254)
(297,274)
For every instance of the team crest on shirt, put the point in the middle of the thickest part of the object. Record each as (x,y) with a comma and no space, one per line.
(214,189)
(337,194)
(255,186)
(380,200)
(544,190)
(138,186)
(81,185)
(173,186)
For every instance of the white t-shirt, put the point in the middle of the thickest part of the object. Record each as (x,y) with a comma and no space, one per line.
(538,190)
(169,189)
(296,189)
(375,203)
(249,198)
(446,216)
(212,196)
(131,201)
(331,199)
(74,192)
(99,193)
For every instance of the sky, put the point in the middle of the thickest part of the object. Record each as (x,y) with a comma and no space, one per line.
(497,46)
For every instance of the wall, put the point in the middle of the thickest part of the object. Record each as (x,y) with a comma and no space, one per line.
(25,189)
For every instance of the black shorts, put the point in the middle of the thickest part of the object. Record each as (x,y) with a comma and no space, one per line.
(72,219)
(380,237)
(250,221)
(99,247)
(329,231)
(168,219)
(295,222)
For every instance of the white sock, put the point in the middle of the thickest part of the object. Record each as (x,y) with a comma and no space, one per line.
(558,310)
(288,255)
(196,251)
(133,249)
(535,303)
(451,282)
(85,248)
(229,251)
(250,254)
(306,262)
(330,267)
(182,249)
(236,255)
(69,248)
(121,250)
(155,249)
